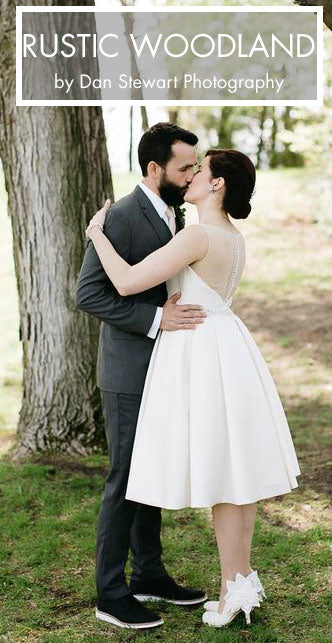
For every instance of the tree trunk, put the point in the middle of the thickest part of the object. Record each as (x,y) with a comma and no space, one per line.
(225,128)
(173,115)
(57,174)
(273,152)
(327,4)
(260,146)
(145,120)
(128,19)
(131,139)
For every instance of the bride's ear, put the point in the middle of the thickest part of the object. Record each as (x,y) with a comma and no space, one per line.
(219,183)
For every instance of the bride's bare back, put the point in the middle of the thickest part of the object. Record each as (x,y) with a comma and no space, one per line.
(221,268)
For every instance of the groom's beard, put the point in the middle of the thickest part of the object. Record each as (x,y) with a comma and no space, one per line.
(171,193)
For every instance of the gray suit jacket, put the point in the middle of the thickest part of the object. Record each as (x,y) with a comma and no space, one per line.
(135,229)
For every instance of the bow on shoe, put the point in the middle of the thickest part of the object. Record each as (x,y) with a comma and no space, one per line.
(254,579)
(213,606)
(241,595)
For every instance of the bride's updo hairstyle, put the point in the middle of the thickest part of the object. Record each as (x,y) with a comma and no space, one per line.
(239,174)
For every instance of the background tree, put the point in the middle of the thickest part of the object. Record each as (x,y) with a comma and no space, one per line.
(273,156)
(226,127)
(57,174)
(131,122)
(260,146)
(136,92)
(327,4)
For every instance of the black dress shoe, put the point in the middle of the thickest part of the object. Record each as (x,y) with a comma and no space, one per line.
(166,589)
(126,611)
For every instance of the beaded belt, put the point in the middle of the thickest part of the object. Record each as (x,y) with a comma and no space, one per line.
(219,310)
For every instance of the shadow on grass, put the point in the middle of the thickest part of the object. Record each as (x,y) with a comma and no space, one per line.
(292,324)
(310,421)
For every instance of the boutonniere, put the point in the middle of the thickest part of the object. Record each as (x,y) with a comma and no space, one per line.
(181,213)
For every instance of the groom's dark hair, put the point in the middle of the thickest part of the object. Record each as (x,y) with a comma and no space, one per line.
(156,144)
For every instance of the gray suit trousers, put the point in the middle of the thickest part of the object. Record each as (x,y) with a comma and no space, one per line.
(124,524)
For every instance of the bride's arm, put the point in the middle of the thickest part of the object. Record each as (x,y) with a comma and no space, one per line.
(190,244)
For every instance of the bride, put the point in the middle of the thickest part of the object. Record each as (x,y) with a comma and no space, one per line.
(211,430)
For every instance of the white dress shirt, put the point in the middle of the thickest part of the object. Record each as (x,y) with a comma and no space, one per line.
(161,208)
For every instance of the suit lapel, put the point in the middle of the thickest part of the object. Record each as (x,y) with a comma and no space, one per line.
(159,225)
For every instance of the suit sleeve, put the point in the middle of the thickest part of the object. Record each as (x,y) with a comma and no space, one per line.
(95,293)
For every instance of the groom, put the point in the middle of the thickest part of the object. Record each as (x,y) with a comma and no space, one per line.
(137,224)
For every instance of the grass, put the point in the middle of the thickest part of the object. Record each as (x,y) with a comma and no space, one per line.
(48,562)
(49,507)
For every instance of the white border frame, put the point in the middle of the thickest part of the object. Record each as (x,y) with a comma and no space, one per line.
(319,102)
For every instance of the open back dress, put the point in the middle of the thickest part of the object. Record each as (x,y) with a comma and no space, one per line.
(211,426)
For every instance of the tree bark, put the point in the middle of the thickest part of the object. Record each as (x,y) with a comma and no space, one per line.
(225,128)
(173,115)
(131,138)
(260,146)
(144,117)
(57,174)
(327,4)
(273,156)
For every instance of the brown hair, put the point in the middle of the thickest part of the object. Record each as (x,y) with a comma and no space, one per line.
(156,144)
(240,176)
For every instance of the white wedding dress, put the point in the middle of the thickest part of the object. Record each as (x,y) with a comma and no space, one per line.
(211,427)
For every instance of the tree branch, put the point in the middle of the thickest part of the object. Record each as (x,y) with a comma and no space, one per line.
(327,4)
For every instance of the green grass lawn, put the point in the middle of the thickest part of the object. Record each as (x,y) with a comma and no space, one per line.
(49,512)
(49,507)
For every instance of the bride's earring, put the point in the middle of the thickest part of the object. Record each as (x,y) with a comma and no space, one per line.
(212,188)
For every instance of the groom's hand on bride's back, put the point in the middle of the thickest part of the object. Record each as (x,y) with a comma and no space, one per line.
(181,316)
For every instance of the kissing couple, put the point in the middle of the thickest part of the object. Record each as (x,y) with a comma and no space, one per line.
(192,415)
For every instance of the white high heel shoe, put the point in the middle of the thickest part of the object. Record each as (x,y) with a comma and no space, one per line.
(241,595)
(212,606)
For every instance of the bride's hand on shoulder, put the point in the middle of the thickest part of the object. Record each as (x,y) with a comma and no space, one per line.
(98,220)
